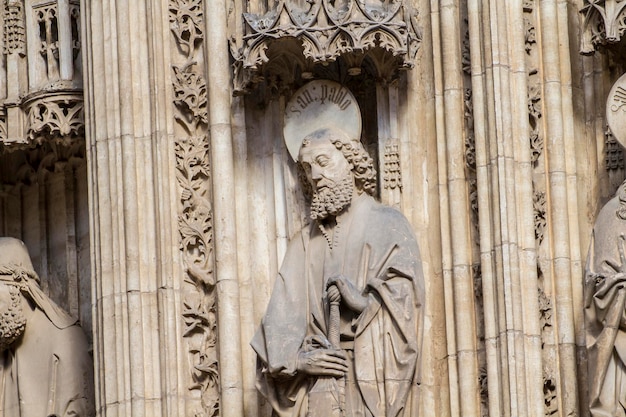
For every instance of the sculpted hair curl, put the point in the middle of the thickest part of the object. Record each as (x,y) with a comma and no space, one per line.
(621,195)
(362,163)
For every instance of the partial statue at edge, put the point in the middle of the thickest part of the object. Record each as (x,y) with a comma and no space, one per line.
(342,332)
(45,366)
(605,313)
(605,292)
(605,309)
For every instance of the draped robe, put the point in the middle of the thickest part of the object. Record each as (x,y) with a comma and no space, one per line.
(48,371)
(374,246)
(605,314)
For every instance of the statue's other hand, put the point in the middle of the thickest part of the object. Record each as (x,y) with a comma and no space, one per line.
(323,362)
(350,295)
(334,296)
(608,282)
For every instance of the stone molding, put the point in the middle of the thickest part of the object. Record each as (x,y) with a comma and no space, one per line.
(604,24)
(58,116)
(43,100)
(325,31)
(14,30)
(613,154)
(47,117)
(46,15)
(3,126)
(392,174)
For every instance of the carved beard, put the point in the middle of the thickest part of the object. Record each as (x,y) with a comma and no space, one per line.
(12,320)
(332,199)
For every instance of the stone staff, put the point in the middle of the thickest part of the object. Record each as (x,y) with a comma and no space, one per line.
(333,338)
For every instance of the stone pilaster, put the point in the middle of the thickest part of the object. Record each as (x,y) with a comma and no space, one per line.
(141,359)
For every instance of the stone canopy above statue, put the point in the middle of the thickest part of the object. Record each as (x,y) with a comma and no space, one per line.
(604,25)
(321,31)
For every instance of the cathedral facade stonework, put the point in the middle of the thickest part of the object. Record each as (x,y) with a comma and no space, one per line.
(143,163)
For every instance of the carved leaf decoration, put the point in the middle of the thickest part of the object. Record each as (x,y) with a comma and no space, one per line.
(536,145)
(534,96)
(539,205)
(190,94)
(534,114)
(186,24)
(196,237)
(195,318)
(530,35)
(551,406)
(195,220)
(56,117)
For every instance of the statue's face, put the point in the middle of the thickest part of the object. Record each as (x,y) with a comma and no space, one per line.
(12,319)
(324,164)
(330,176)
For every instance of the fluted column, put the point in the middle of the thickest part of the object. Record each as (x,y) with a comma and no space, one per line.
(453,194)
(565,256)
(506,218)
(141,367)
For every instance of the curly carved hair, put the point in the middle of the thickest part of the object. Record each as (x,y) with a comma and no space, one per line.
(621,195)
(352,149)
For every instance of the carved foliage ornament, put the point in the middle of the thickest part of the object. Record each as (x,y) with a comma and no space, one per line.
(190,89)
(58,117)
(190,94)
(199,306)
(327,29)
(551,402)
(605,23)
(539,208)
(195,221)
(534,114)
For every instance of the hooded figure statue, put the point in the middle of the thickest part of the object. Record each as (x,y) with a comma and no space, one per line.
(46,368)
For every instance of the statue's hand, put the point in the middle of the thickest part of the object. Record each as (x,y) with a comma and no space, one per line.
(350,295)
(323,362)
(606,283)
(333,294)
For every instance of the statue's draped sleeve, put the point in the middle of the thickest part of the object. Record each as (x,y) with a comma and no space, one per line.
(389,331)
(280,336)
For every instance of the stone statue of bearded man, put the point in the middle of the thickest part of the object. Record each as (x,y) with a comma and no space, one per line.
(342,332)
(45,366)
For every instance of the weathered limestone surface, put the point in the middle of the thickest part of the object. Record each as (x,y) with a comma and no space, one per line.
(158,204)
(343,329)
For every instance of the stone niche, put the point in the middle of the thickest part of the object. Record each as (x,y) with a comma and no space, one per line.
(365,46)
(277,47)
(43,201)
(43,170)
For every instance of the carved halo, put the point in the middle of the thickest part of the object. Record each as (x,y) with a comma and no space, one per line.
(616,110)
(319,104)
